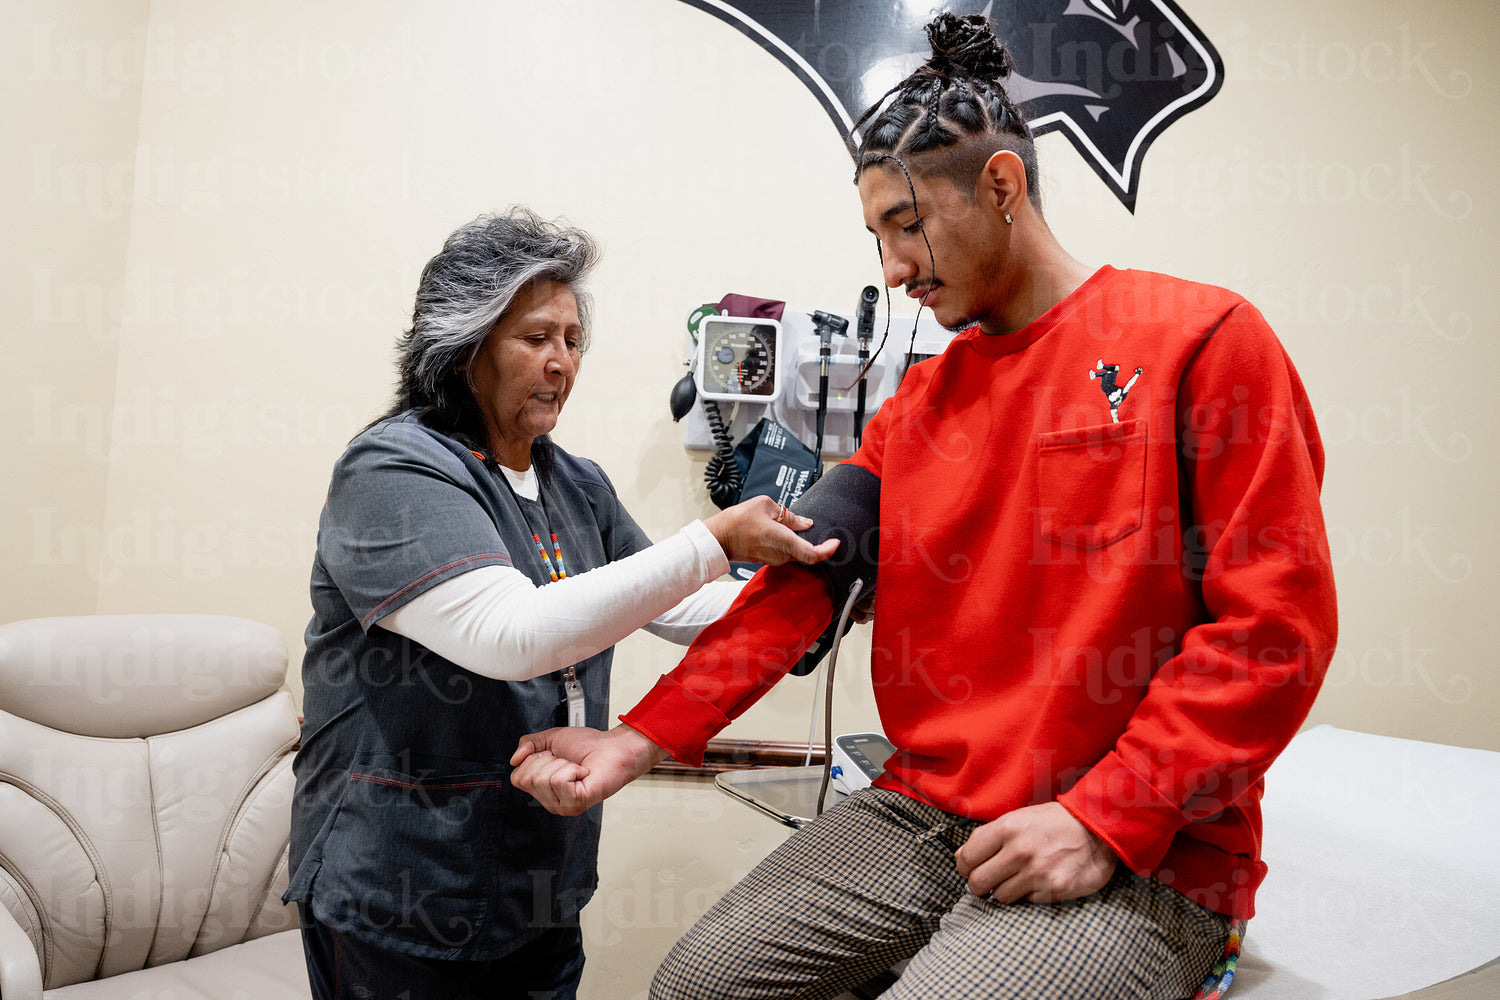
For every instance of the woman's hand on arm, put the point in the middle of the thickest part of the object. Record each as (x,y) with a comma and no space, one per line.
(762,530)
(571,769)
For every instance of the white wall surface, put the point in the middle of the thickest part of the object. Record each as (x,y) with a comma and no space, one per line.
(217,214)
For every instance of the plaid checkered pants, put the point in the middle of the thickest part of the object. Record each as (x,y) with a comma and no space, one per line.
(872,882)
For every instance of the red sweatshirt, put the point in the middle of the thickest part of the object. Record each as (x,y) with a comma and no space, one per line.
(1104,580)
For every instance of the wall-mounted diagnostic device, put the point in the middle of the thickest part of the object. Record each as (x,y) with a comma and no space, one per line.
(739,359)
(803,372)
(858,759)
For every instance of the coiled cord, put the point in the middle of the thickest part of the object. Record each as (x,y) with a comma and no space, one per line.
(722,474)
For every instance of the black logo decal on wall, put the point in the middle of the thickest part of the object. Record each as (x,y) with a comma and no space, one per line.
(1108,74)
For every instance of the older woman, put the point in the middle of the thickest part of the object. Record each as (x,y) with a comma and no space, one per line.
(471,579)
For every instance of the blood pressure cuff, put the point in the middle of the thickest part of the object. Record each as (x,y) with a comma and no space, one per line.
(773,463)
(844,504)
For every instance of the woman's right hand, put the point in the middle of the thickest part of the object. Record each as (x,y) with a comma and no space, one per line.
(761,530)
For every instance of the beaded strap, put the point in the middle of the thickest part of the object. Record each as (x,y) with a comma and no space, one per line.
(1222,974)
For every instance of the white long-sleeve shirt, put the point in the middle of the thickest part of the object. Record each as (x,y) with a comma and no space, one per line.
(494,621)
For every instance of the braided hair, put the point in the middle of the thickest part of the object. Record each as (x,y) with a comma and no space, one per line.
(951,115)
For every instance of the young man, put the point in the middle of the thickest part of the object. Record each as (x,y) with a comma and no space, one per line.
(1099,616)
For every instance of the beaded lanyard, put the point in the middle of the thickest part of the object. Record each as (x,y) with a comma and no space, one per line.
(557,570)
(572,688)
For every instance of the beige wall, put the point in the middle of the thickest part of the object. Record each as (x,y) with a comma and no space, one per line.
(220,213)
(69,107)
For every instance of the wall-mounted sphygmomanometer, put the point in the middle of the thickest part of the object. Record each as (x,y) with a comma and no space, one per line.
(803,374)
(738,359)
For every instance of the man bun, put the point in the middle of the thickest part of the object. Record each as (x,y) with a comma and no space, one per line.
(955,105)
(967,46)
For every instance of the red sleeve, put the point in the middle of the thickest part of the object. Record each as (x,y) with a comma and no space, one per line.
(734,661)
(1217,714)
(764,633)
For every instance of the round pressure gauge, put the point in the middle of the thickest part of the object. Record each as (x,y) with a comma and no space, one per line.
(737,359)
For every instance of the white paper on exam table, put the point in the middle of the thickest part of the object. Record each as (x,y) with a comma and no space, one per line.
(1384,869)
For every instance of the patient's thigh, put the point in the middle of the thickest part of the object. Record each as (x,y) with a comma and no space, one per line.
(856,891)
(1135,939)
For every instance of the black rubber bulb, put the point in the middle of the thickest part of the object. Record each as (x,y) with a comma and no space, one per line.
(684,394)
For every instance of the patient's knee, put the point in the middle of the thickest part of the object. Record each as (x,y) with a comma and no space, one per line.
(699,967)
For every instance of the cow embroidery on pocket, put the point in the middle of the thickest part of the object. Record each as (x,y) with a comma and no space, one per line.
(1116,394)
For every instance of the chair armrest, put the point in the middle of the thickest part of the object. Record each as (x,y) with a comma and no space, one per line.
(20,969)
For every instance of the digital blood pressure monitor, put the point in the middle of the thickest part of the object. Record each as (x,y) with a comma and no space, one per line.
(858,759)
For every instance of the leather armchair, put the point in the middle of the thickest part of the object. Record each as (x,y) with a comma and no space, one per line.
(145,796)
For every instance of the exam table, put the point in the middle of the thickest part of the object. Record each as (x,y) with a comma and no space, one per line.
(1384,860)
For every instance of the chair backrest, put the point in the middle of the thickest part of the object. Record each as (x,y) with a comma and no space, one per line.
(145,788)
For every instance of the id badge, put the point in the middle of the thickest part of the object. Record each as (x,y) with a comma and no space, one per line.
(574,692)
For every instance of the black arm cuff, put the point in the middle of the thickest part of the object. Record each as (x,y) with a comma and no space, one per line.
(844,504)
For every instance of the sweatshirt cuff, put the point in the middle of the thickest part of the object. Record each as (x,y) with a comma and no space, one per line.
(677,720)
(710,552)
(1126,812)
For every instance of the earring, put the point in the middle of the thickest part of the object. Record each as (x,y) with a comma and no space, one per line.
(1008,219)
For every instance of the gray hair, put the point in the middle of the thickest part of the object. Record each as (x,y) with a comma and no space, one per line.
(465,290)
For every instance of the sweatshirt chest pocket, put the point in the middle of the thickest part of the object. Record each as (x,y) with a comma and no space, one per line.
(1091,483)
